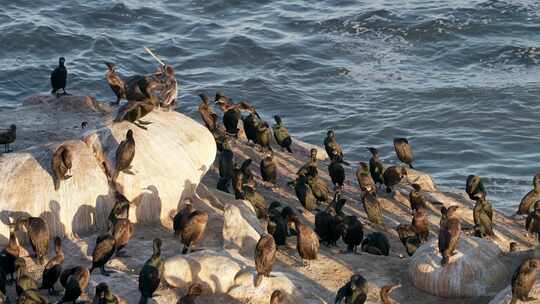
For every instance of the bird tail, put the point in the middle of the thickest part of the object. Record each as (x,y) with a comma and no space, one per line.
(56,181)
(289,149)
(258,280)
(185,250)
(143,300)
(410,166)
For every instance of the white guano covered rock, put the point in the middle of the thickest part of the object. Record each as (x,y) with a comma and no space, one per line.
(241,228)
(472,271)
(170,159)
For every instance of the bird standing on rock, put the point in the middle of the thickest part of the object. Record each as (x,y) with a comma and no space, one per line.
(354,291)
(372,207)
(483,216)
(265,254)
(530,198)
(364,179)
(376,167)
(317,185)
(264,136)
(532,223)
(10,253)
(103,252)
(59,78)
(251,126)
(333,149)
(7,137)
(23,279)
(474,186)
(38,234)
(416,199)
(125,153)
(151,273)
(376,243)
(326,226)
(385,291)
(269,168)
(312,163)
(76,282)
(404,151)
(523,280)
(281,134)
(352,233)
(193,231)
(449,233)
(115,82)
(104,295)
(393,176)
(307,242)
(194,291)
(304,193)
(61,164)
(420,224)
(337,173)
(409,238)
(225,166)
(208,116)
(255,199)
(241,176)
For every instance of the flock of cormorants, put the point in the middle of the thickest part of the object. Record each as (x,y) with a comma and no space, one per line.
(331,223)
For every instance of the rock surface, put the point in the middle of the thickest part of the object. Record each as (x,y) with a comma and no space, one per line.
(474,270)
(170,159)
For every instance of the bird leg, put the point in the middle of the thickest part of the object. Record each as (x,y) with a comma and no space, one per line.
(140,126)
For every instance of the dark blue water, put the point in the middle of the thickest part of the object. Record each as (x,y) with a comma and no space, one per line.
(459,78)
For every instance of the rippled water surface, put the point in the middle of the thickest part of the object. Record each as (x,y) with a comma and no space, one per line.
(459,78)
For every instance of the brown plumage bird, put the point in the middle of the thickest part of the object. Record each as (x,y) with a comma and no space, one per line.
(269,168)
(523,280)
(10,253)
(193,292)
(307,241)
(38,234)
(125,154)
(337,173)
(115,82)
(181,218)
(332,147)
(393,176)
(53,269)
(265,254)
(531,197)
(385,291)
(420,224)
(120,208)
(23,280)
(483,216)
(103,252)
(208,116)
(194,229)
(474,186)
(7,137)
(409,238)
(122,232)
(449,233)
(103,295)
(404,151)
(76,282)
(372,207)
(277,297)
(532,224)
(134,111)
(416,199)
(365,181)
(61,163)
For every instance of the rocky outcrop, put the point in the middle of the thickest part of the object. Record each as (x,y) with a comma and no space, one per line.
(170,159)
(473,271)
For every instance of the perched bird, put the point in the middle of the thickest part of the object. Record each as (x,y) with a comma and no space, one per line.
(10,253)
(404,151)
(76,282)
(532,223)
(376,167)
(304,193)
(125,154)
(420,224)
(355,291)
(84,124)
(151,273)
(376,243)
(208,116)
(483,216)
(193,292)
(193,231)
(449,233)
(23,280)
(318,186)
(364,179)
(252,123)
(409,238)
(115,82)
(269,168)
(281,134)
(181,218)
(416,199)
(120,209)
(338,203)
(474,186)
(122,231)
(333,149)
(53,269)
(59,77)
(38,234)
(385,291)
(530,198)
(264,136)
(337,173)
(231,112)
(326,226)
(225,166)
(523,280)
(352,233)
(103,252)
(104,295)
(307,242)
(265,254)
(372,207)
(256,199)
(311,163)
(277,297)
(61,164)
(7,137)
(393,176)
(134,111)
(242,176)
(277,225)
